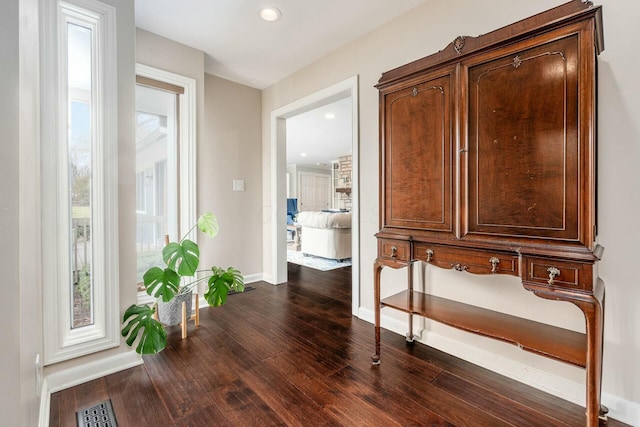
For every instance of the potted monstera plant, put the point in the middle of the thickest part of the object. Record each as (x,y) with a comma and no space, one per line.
(175,281)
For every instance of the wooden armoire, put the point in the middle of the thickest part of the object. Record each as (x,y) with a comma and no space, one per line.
(488,166)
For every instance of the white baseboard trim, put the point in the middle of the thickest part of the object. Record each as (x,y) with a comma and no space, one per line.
(269,279)
(252,278)
(92,370)
(45,404)
(260,277)
(619,408)
(81,374)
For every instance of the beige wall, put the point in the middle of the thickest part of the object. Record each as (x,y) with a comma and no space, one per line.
(31,325)
(428,29)
(229,131)
(21,306)
(9,305)
(228,148)
(231,149)
(164,54)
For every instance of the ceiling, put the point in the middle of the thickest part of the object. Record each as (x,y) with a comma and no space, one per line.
(321,135)
(241,47)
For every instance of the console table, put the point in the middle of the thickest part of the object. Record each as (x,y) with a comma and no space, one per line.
(488,166)
(296,235)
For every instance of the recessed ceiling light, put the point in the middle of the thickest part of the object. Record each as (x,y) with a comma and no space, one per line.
(329,116)
(303,154)
(270,14)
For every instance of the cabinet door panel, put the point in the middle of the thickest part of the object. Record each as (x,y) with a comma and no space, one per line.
(523,162)
(418,167)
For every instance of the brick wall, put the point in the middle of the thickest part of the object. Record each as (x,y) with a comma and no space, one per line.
(344,200)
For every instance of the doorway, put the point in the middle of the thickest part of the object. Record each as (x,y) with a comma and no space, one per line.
(277,223)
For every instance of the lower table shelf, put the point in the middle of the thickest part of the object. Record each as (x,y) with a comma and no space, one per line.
(550,341)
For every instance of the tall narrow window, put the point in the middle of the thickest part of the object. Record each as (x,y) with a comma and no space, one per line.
(79,179)
(165,163)
(80,139)
(157,210)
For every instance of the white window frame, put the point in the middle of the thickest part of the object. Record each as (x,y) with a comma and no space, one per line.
(187,151)
(61,341)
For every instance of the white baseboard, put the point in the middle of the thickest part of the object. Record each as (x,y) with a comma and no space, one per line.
(619,408)
(45,404)
(269,279)
(252,278)
(81,374)
(92,370)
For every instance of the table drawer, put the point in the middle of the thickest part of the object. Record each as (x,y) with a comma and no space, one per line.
(558,274)
(472,260)
(398,250)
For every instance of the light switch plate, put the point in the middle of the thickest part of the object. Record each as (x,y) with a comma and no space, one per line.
(238,185)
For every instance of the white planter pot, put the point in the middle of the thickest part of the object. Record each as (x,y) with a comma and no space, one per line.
(170,313)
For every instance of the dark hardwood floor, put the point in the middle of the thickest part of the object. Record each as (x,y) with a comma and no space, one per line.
(293,355)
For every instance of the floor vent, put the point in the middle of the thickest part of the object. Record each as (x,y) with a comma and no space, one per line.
(98,415)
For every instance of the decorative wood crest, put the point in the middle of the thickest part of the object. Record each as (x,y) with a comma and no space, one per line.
(458,44)
(517,61)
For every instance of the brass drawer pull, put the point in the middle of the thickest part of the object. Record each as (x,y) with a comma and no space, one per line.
(553,273)
(394,251)
(494,264)
(429,254)
(459,267)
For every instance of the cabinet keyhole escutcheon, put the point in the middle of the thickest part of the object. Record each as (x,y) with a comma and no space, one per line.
(553,273)
(394,251)
(494,264)
(429,254)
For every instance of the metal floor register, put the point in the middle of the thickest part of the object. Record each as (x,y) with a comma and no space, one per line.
(99,415)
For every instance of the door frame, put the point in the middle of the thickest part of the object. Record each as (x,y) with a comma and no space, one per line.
(278,222)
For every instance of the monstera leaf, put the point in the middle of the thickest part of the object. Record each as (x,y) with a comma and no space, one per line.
(161,283)
(181,260)
(221,282)
(153,337)
(208,224)
(182,257)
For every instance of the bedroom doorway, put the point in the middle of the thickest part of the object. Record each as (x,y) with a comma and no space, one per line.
(347,89)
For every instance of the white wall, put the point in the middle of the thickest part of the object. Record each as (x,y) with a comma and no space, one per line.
(426,30)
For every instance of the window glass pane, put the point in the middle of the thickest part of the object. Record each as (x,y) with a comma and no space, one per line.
(156,175)
(79,151)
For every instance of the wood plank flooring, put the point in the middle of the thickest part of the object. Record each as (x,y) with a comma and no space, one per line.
(293,355)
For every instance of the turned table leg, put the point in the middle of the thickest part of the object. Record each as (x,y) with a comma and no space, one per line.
(377,268)
(410,335)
